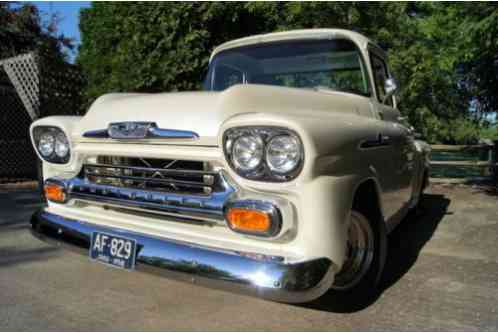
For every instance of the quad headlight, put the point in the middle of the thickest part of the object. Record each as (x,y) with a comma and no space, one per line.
(247,152)
(264,153)
(52,144)
(283,153)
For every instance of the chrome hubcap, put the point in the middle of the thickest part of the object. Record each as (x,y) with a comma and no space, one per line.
(359,253)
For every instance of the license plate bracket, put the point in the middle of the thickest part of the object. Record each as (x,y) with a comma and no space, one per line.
(113,250)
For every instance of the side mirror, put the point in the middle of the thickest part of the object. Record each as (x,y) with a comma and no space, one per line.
(390,87)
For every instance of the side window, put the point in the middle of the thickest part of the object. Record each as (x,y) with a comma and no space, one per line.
(227,76)
(380,75)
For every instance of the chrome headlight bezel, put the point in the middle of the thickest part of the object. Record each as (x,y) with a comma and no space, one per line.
(263,172)
(59,138)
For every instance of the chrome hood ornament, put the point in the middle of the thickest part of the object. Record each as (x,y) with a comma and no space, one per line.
(133,130)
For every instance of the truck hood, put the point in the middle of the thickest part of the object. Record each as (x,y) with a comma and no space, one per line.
(205,112)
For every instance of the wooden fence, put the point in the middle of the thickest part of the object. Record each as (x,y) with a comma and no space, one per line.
(482,158)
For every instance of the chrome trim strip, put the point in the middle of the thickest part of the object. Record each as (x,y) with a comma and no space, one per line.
(137,210)
(201,207)
(151,131)
(253,274)
(178,208)
(155,132)
(186,183)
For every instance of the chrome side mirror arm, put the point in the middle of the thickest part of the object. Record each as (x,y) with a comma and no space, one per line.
(390,87)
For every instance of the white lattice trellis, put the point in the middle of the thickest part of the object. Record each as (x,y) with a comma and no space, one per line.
(24,74)
(32,86)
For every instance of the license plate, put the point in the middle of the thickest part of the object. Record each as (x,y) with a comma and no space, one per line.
(113,250)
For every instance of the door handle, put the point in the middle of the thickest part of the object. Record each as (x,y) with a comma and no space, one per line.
(384,139)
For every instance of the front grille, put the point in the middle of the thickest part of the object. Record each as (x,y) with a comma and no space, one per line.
(158,175)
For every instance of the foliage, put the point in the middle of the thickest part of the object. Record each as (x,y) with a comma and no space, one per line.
(442,70)
(155,46)
(22,30)
(489,132)
(444,54)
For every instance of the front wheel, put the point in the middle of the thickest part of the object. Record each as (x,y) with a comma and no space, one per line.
(356,283)
(360,253)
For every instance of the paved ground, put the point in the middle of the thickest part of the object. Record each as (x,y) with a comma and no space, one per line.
(442,274)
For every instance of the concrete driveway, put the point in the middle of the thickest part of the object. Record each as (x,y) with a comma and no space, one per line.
(442,274)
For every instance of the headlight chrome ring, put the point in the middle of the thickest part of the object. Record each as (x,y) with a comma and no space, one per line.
(264,153)
(52,144)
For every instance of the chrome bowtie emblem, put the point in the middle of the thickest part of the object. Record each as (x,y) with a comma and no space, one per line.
(129,130)
(157,174)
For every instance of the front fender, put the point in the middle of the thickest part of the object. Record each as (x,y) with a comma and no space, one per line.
(67,124)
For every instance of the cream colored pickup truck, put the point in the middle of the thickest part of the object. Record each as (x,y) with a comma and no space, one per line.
(280,180)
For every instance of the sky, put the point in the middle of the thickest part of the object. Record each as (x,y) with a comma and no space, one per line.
(68,12)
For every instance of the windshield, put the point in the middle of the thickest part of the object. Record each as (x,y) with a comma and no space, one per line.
(334,64)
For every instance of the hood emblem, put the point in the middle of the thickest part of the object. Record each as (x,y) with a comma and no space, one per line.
(129,130)
(134,130)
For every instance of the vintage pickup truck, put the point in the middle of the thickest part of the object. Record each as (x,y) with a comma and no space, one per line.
(280,180)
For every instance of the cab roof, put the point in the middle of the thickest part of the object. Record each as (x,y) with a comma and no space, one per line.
(357,38)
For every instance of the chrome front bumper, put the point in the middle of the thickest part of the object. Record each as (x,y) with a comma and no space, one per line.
(257,275)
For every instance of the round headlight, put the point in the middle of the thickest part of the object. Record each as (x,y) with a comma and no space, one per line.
(61,145)
(247,152)
(46,144)
(52,144)
(283,154)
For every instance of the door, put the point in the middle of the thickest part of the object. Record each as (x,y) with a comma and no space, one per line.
(400,139)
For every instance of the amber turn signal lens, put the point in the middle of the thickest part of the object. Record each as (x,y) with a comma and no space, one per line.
(247,220)
(54,192)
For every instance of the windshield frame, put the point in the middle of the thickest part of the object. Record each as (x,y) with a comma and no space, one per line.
(208,82)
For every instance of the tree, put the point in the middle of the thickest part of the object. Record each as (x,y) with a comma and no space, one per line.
(444,71)
(478,45)
(156,46)
(166,46)
(443,54)
(22,30)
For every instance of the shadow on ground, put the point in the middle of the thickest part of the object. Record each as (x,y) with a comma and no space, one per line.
(16,208)
(10,256)
(488,188)
(17,205)
(485,185)
(405,244)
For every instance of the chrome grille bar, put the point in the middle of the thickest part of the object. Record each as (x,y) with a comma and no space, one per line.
(181,189)
(194,207)
(147,169)
(173,176)
(150,180)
